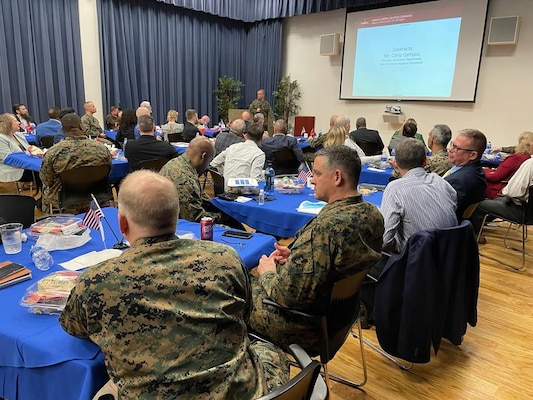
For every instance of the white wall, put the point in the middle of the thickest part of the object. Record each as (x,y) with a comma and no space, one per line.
(503,107)
(90,55)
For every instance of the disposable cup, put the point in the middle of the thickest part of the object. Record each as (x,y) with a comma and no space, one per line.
(11,237)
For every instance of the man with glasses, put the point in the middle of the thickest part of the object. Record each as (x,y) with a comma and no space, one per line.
(466,175)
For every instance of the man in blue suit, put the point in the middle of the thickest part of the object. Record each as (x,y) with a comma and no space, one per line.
(49,128)
(466,175)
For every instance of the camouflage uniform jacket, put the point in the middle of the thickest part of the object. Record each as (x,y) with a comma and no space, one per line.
(438,163)
(73,152)
(263,105)
(91,126)
(191,196)
(170,317)
(345,238)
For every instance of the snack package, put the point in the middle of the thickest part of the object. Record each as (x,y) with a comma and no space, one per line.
(49,295)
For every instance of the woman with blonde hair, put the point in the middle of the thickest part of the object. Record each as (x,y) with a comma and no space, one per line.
(172,125)
(496,177)
(11,141)
(335,136)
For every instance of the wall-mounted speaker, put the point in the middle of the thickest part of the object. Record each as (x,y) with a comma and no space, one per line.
(330,44)
(503,30)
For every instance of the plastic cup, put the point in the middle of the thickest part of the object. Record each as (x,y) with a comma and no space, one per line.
(11,237)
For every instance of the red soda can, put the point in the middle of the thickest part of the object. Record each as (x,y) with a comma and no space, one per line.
(206,228)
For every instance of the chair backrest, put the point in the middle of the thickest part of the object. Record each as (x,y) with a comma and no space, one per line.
(529,207)
(284,162)
(298,388)
(47,141)
(218,182)
(175,137)
(154,165)
(370,148)
(342,313)
(467,213)
(77,185)
(17,208)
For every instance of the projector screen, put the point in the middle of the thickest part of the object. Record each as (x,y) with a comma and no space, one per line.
(425,51)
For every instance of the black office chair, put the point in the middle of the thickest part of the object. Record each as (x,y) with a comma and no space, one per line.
(47,141)
(154,165)
(284,162)
(336,323)
(17,208)
(370,148)
(299,387)
(77,185)
(218,182)
(524,221)
(30,177)
(175,137)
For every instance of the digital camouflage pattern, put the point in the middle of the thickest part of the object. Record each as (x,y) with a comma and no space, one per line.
(264,105)
(191,195)
(344,238)
(170,317)
(73,152)
(438,163)
(91,126)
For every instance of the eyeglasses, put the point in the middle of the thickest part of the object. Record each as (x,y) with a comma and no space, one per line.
(454,147)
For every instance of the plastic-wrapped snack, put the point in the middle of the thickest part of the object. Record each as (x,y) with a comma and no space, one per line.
(49,295)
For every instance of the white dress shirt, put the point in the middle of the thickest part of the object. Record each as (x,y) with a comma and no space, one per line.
(518,186)
(364,158)
(240,160)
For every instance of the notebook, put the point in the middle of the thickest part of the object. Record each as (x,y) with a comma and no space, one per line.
(11,273)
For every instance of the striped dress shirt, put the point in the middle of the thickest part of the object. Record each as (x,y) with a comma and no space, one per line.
(418,201)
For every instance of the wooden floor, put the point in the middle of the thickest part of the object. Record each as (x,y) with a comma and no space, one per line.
(495,360)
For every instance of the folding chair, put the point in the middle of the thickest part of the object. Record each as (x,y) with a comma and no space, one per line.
(17,208)
(523,221)
(77,185)
(336,323)
(47,141)
(154,165)
(284,162)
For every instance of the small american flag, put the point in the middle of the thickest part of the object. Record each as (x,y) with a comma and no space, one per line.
(93,215)
(304,173)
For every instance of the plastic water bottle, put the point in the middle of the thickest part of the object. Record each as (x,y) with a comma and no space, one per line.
(269,179)
(261,197)
(488,150)
(383,163)
(41,258)
(393,154)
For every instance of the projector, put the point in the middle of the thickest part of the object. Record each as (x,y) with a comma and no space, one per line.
(393,109)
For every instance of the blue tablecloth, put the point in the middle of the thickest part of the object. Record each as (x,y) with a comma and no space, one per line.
(111,134)
(38,360)
(119,168)
(30,138)
(277,217)
(375,176)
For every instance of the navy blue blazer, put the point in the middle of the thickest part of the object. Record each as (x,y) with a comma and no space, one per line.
(470,184)
(277,142)
(427,292)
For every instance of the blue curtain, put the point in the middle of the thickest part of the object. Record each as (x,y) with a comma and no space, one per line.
(173,56)
(257,10)
(40,55)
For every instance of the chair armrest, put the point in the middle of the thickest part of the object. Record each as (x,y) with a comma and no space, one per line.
(320,390)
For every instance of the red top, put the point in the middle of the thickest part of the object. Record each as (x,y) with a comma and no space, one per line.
(504,172)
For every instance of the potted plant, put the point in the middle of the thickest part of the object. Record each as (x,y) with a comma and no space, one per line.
(286,97)
(228,95)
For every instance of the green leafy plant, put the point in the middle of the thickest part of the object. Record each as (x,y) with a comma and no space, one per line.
(286,97)
(228,95)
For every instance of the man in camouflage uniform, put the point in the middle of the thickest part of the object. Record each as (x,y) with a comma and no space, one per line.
(438,140)
(345,238)
(170,314)
(260,105)
(184,171)
(91,126)
(75,151)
